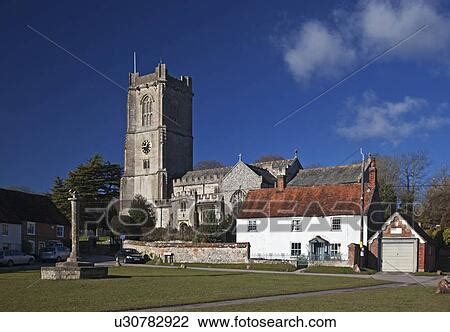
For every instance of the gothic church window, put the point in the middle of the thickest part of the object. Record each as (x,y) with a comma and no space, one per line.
(146,111)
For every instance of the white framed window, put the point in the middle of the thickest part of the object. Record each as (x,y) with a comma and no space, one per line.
(31,228)
(335,249)
(59,231)
(296,225)
(296,249)
(5,229)
(336,224)
(251,226)
(41,245)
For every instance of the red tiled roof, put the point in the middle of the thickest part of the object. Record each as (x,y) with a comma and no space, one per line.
(324,200)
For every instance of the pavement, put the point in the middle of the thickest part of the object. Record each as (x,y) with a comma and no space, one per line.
(408,278)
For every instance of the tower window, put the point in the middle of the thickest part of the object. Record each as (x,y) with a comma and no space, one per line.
(146,163)
(146,111)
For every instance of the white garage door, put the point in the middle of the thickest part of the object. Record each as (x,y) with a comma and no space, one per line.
(399,256)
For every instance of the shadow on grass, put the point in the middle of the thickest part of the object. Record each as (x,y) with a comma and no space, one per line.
(175,276)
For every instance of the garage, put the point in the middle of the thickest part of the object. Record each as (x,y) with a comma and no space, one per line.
(399,255)
(401,245)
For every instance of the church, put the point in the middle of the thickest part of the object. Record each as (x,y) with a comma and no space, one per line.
(159,157)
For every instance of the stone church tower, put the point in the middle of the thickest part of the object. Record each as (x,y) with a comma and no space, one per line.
(159,142)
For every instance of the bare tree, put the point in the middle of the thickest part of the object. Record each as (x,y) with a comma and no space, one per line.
(436,204)
(268,157)
(206,164)
(413,169)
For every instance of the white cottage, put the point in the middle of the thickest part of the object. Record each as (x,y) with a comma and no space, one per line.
(318,215)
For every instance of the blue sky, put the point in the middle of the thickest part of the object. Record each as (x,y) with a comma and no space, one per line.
(252,63)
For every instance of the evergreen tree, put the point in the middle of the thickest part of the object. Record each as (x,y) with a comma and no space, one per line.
(96,182)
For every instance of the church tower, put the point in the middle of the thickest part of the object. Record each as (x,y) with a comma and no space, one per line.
(158,143)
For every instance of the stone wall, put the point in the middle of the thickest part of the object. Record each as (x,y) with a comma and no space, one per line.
(188,252)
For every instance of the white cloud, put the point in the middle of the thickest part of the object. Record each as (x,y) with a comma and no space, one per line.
(392,121)
(315,47)
(316,50)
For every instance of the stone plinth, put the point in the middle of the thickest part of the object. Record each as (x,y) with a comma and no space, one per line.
(74,271)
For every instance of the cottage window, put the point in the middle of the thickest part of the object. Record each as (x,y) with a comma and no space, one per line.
(296,249)
(336,224)
(252,225)
(59,231)
(31,228)
(296,225)
(335,250)
(5,229)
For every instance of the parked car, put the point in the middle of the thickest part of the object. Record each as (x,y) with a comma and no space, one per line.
(15,257)
(53,243)
(130,256)
(54,253)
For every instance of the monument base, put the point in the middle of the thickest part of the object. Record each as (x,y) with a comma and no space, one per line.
(73,271)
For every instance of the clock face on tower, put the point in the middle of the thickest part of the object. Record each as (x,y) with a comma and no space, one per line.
(146,146)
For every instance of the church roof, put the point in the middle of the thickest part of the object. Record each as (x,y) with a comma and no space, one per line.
(267,170)
(278,165)
(205,174)
(327,175)
(17,206)
(264,173)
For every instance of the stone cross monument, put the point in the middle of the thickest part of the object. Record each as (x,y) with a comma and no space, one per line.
(73,268)
(74,253)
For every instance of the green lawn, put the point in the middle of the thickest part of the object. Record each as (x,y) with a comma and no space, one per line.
(410,298)
(335,270)
(284,267)
(144,287)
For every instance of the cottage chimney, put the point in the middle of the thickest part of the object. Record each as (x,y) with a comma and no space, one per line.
(372,174)
(281,182)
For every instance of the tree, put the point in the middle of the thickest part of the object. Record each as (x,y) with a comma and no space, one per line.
(139,221)
(96,182)
(206,164)
(388,174)
(413,167)
(436,205)
(59,195)
(268,157)
(142,212)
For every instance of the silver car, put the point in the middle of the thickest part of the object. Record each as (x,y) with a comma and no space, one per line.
(15,257)
(55,253)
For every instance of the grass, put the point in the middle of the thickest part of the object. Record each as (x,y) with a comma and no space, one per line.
(410,298)
(335,270)
(146,287)
(283,267)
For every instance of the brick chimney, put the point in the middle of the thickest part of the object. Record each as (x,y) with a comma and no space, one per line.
(372,173)
(281,182)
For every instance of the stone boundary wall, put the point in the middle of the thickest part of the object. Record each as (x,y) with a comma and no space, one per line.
(188,252)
